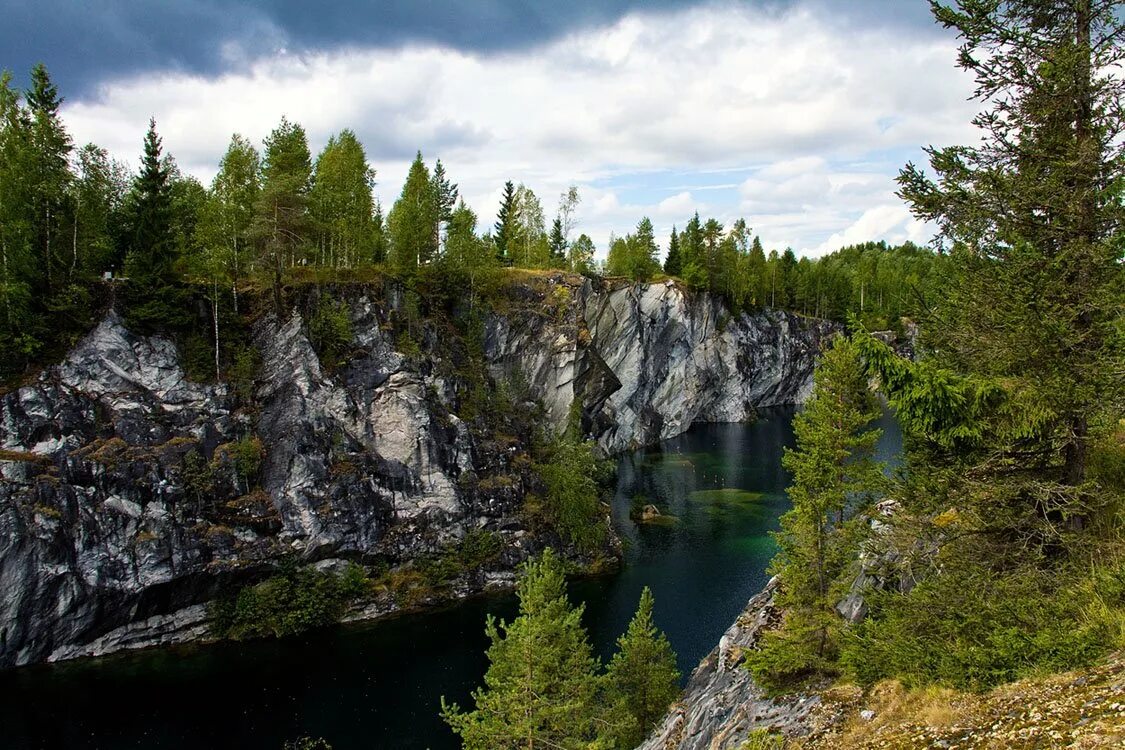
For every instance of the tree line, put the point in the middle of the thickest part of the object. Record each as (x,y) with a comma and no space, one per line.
(71,214)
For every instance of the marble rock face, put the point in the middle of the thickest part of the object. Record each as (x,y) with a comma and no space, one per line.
(107,541)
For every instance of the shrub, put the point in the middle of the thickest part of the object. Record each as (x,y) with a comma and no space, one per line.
(292,602)
(972,629)
(330,332)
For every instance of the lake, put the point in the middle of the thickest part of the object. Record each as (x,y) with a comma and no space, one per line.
(378,685)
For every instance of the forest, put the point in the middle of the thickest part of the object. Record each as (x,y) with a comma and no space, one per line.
(78,228)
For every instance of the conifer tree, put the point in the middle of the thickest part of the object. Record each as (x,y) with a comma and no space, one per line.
(445,198)
(673,263)
(153,293)
(412,220)
(502,231)
(539,689)
(1033,216)
(557,242)
(50,174)
(833,471)
(641,679)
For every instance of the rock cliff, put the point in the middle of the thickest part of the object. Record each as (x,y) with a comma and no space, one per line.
(130,495)
(722,706)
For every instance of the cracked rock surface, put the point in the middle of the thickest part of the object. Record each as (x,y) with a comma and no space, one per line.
(107,541)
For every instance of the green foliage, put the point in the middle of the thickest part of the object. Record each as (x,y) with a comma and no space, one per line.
(641,680)
(308,743)
(763,739)
(970,628)
(572,505)
(330,331)
(292,602)
(542,688)
(341,204)
(634,256)
(153,294)
(505,218)
(281,223)
(833,475)
(477,549)
(539,690)
(412,221)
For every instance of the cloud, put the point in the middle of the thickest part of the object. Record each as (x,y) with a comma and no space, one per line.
(678,205)
(84,43)
(820,117)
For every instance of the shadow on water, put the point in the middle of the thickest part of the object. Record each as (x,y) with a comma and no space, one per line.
(379,684)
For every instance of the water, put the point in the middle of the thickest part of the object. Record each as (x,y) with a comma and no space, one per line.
(379,684)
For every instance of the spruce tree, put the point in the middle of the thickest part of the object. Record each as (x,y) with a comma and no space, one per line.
(673,263)
(49,175)
(833,471)
(445,198)
(539,690)
(641,680)
(557,242)
(153,294)
(1033,215)
(502,231)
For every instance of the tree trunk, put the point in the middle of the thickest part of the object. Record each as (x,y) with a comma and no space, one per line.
(215,318)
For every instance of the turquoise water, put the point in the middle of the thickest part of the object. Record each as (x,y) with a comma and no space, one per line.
(378,685)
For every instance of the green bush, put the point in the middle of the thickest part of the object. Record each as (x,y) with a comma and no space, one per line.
(572,505)
(763,739)
(292,602)
(330,332)
(972,629)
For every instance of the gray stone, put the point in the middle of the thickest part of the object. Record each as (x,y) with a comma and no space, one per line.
(105,546)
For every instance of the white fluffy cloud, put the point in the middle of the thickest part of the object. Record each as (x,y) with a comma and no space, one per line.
(818,117)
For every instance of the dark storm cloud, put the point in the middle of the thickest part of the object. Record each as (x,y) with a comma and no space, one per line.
(84,42)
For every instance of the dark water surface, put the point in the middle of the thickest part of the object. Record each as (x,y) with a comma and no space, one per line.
(378,685)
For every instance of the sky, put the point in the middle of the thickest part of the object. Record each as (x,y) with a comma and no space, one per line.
(794,114)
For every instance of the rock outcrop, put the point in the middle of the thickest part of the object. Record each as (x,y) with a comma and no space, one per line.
(722,705)
(131,495)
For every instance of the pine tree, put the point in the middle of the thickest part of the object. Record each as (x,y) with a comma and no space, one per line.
(412,220)
(502,231)
(833,471)
(642,679)
(539,689)
(673,263)
(153,294)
